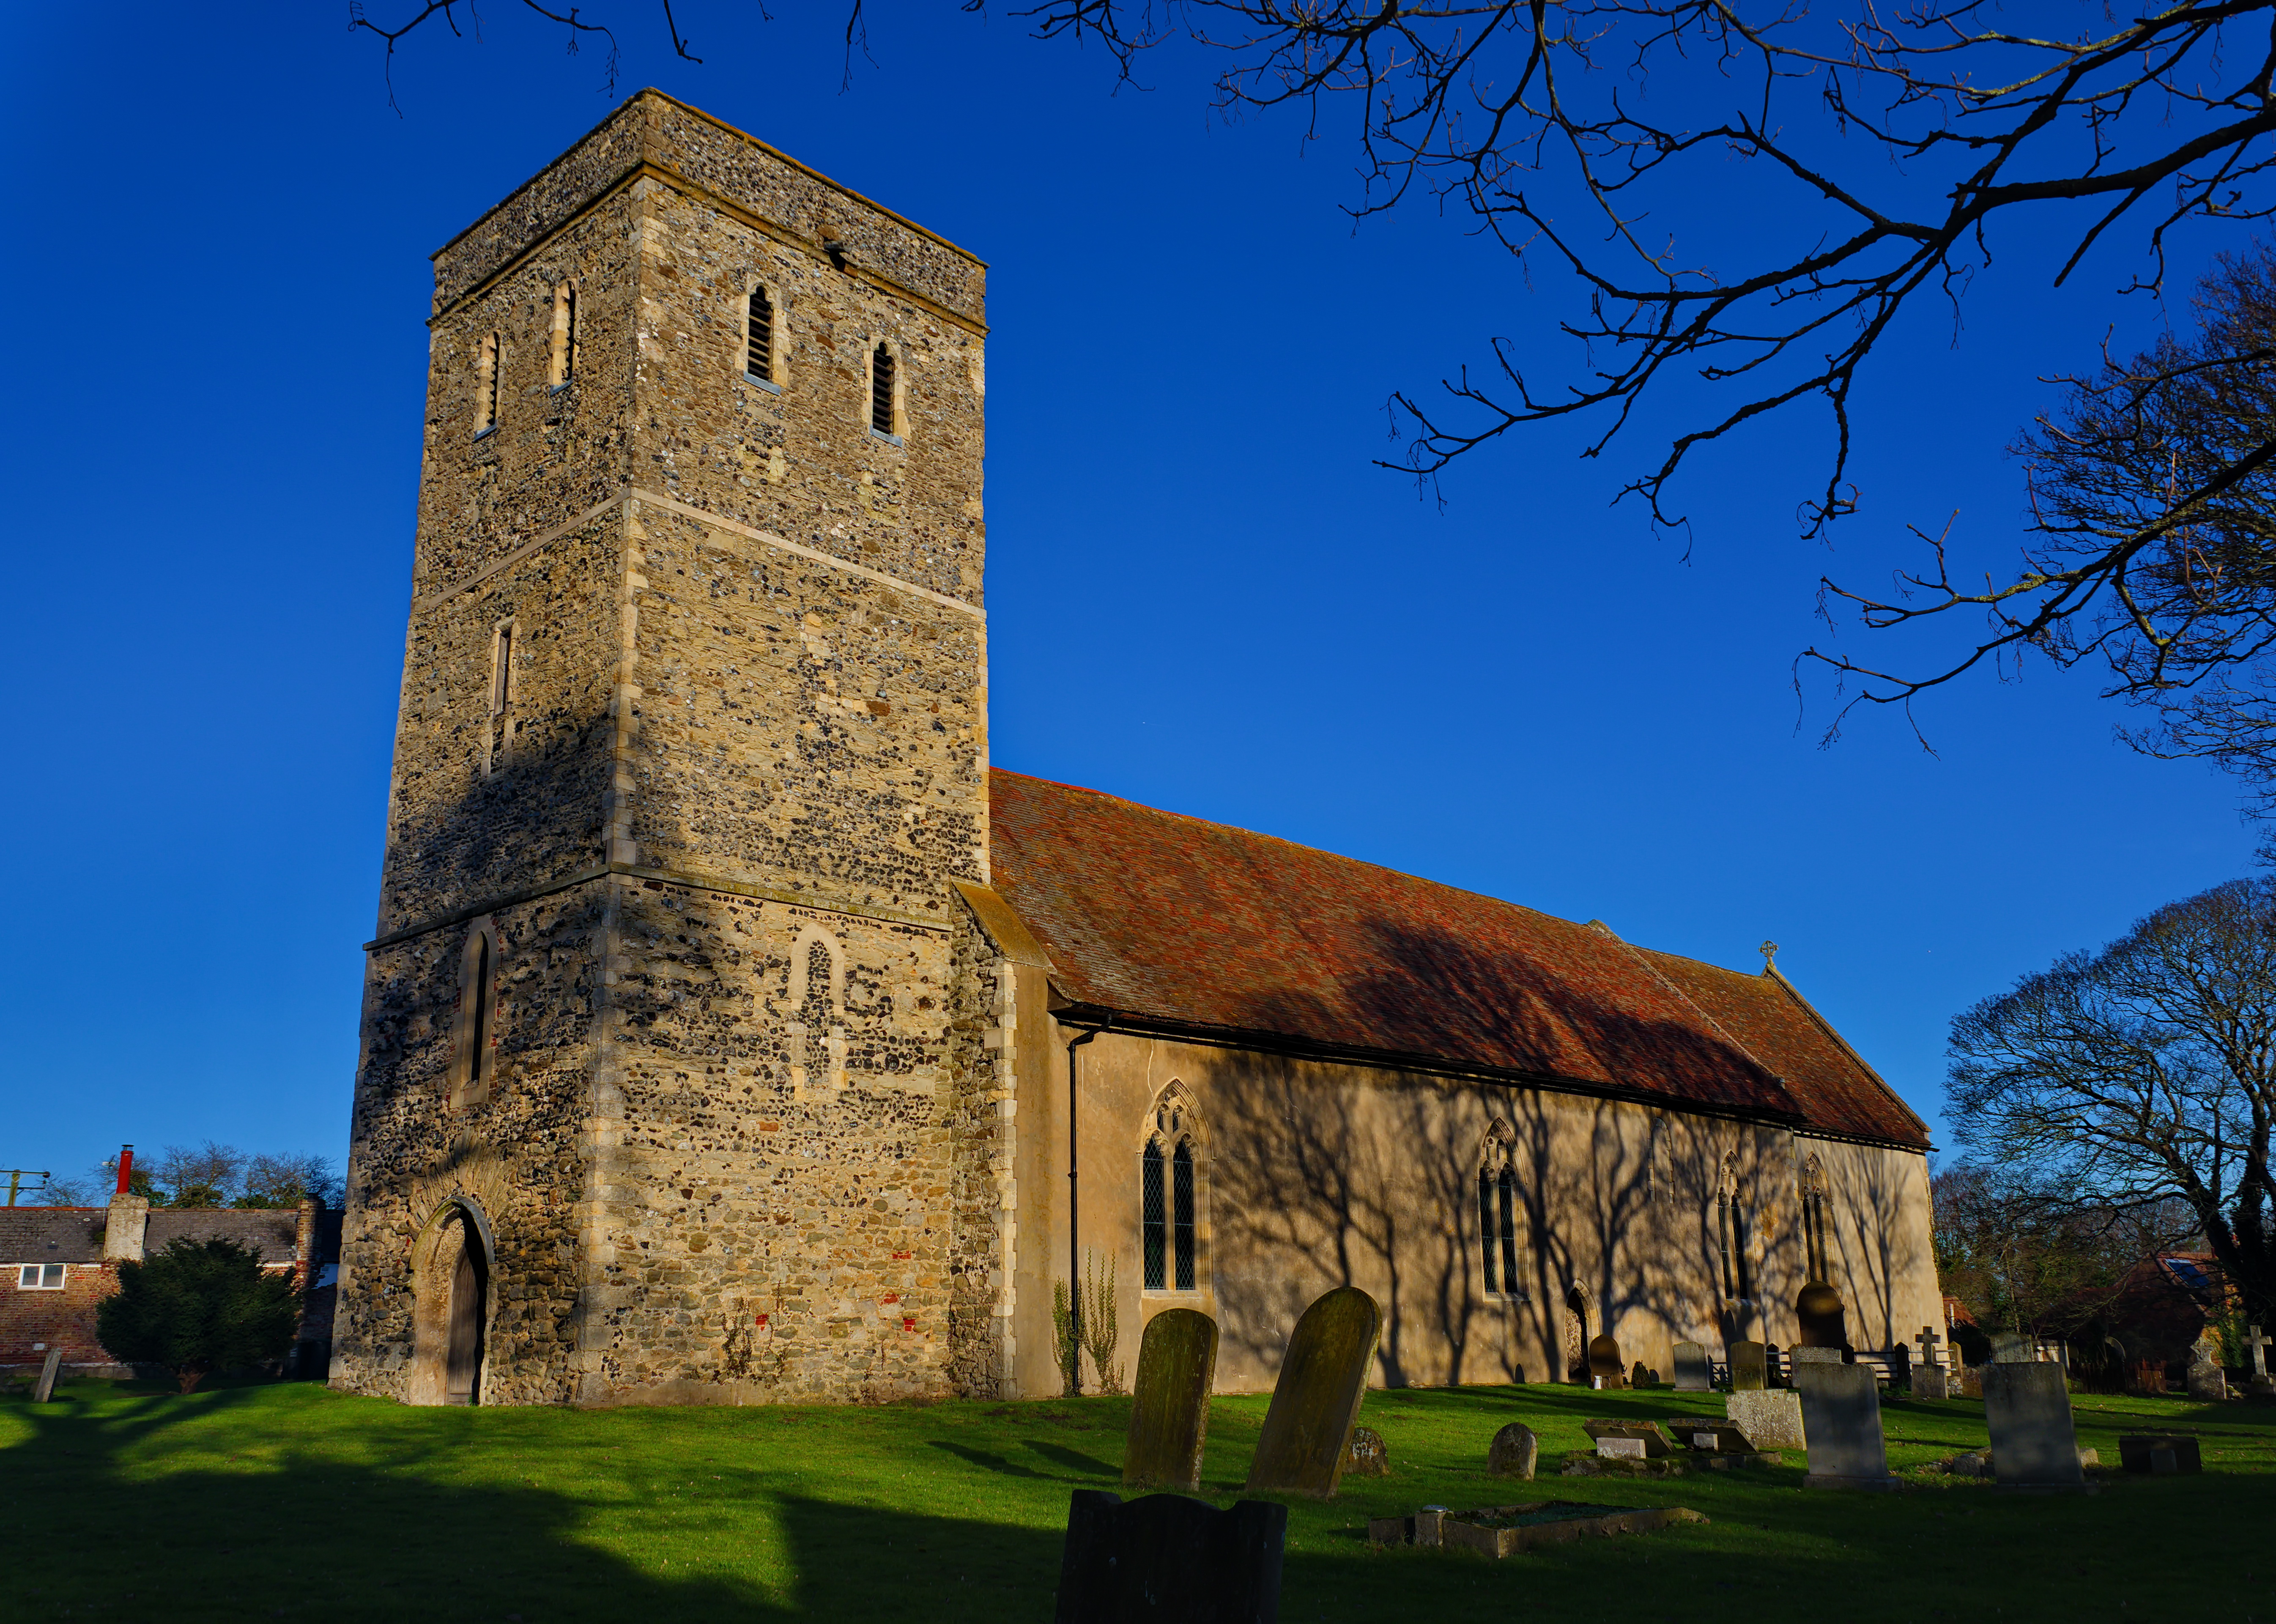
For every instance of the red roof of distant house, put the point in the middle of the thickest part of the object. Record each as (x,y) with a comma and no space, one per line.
(1219,931)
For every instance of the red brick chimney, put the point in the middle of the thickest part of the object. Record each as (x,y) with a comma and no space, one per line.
(125,1169)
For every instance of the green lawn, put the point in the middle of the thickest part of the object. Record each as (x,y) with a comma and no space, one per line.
(286,1501)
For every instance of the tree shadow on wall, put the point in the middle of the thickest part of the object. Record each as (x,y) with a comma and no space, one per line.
(1374,1181)
(98,1530)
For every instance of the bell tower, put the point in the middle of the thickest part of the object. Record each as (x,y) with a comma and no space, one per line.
(656,1099)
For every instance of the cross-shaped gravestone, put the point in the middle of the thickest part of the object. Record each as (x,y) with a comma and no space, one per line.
(2259,1346)
(1928,1340)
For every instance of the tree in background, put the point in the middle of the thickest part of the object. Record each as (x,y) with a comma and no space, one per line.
(2022,1259)
(2139,1082)
(207,1175)
(1875,157)
(198,1307)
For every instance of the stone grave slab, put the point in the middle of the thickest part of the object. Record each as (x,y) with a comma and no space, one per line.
(1749,1367)
(1505,1530)
(2034,1445)
(1620,1448)
(1168,1560)
(2158,1453)
(2012,1348)
(1772,1419)
(1169,1401)
(1315,1401)
(1514,1453)
(1655,1442)
(44,1389)
(1692,1371)
(1842,1412)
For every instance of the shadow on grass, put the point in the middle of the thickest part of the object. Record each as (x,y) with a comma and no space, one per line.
(102,1524)
(1075,1460)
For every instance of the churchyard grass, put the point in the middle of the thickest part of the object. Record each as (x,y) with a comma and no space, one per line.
(259,1500)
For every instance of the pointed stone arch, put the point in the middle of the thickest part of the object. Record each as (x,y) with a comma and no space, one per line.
(1173,1212)
(474,1045)
(1498,1205)
(453,1267)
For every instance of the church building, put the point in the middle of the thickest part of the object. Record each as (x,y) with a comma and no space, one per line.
(734,1032)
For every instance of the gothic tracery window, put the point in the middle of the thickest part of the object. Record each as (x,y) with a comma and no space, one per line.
(1498,1217)
(1732,1226)
(1169,1216)
(1813,1219)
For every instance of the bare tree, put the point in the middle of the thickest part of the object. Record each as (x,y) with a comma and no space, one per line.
(2026,1258)
(2139,1075)
(1888,147)
(204,1175)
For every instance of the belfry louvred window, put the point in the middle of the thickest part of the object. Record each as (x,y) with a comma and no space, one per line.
(759,336)
(881,390)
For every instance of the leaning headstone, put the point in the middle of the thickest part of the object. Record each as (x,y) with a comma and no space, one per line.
(1315,1402)
(1169,1559)
(1604,1361)
(2208,1382)
(1169,1400)
(2012,1348)
(1747,1367)
(2159,1453)
(1842,1412)
(1692,1372)
(1367,1455)
(1770,1419)
(44,1389)
(1514,1453)
(2034,1446)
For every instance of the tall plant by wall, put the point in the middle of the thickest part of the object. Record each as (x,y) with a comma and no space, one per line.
(1067,1340)
(1098,1329)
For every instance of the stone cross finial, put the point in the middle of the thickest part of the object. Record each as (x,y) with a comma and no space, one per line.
(1770,955)
(2259,1346)
(1928,1340)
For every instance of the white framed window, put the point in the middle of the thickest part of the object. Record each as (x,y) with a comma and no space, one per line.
(40,1277)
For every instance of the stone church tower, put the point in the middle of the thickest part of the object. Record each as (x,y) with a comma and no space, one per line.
(659,1093)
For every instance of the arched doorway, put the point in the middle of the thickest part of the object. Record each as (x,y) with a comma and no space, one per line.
(1576,1336)
(450,1313)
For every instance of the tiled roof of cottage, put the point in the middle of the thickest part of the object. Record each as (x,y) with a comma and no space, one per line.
(273,1232)
(51,1234)
(1216,931)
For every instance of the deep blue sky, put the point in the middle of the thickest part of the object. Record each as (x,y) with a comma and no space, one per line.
(1202,596)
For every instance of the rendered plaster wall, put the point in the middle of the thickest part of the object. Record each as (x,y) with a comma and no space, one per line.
(1314,1174)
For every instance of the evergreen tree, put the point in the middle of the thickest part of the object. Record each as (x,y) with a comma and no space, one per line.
(198,1307)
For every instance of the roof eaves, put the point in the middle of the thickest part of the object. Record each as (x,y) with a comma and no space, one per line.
(1826,1027)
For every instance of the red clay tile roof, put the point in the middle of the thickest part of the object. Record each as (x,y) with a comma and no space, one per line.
(1216,930)
(1838,1092)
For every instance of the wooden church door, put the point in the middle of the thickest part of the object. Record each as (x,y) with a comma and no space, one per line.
(463,1368)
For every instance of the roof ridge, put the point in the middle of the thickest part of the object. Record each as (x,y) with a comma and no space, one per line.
(1708,1015)
(1321,851)
(1770,972)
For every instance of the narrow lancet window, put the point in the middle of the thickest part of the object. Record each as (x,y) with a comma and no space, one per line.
(1181,1166)
(1508,1190)
(759,336)
(478,1069)
(564,334)
(1157,1271)
(1488,1241)
(881,390)
(486,386)
(1498,1217)
(470,1065)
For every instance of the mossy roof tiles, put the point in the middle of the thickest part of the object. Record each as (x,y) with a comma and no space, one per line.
(1219,931)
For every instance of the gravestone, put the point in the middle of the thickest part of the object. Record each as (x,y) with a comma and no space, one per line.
(2034,1446)
(1169,1400)
(2257,1345)
(2159,1453)
(1801,1356)
(44,1389)
(1901,1367)
(1772,1419)
(2208,1382)
(1169,1560)
(1841,1413)
(1604,1361)
(1823,1317)
(1644,1375)
(1620,1448)
(1654,1441)
(1692,1372)
(1747,1366)
(2012,1348)
(1315,1401)
(1368,1456)
(1514,1453)
(1928,1374)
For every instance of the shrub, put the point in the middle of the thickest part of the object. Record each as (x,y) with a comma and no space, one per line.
(198,1307)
